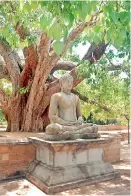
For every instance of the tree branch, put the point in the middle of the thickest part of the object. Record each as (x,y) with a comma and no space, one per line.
(31,62)
(3,71)
(86,99)
(71,37)
(21,31)
(30,54)
(44,46)
(113,67)
(95,52)
(78,30)
(68,66)
(93,102)
(3,97)
(63,65)
(11,65)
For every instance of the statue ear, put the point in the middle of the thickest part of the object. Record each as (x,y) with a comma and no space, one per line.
(60,84)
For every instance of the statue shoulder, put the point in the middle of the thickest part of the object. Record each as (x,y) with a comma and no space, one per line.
(76,96)
(56,96)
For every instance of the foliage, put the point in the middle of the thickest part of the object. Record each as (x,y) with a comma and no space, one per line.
(6,85)
(57,18)
(2,118)
(23,90)
(112,92)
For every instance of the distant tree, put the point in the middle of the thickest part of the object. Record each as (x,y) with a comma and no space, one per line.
(106,95)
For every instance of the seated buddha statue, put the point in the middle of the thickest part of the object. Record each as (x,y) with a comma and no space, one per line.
(66,121)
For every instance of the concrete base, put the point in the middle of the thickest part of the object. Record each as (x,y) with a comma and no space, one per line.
(68,164)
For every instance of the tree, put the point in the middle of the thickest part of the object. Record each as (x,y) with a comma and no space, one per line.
(108,100)
(43,31)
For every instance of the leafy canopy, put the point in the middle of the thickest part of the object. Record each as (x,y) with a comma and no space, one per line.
(57,18)
(113,92)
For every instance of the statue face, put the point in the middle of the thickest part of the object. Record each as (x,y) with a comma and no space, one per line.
(67,85)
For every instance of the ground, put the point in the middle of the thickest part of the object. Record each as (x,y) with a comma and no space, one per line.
(119,186)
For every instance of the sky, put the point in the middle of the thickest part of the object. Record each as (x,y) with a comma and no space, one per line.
(81,51)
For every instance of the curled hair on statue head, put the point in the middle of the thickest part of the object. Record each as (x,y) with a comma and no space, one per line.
(64,77)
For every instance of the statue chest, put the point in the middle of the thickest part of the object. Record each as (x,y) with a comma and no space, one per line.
(67,102)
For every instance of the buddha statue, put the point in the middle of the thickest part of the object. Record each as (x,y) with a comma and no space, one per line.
(65,115)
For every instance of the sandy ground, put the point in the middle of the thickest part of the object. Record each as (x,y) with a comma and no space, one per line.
(119,186)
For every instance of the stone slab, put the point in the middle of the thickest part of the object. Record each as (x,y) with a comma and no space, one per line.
(62,165)
(70,185)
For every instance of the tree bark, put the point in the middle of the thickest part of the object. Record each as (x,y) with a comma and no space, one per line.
(11,64)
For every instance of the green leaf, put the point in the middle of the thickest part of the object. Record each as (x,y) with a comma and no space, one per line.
(71,45)
(56,31)
(34,5)
(58,47)
(6,32)
(65,33)
(106,38)
(124,16)
(23,44)
(71,16)
(97,29)
(45,21)
(91,6)
(117,41)
(114,16)
(21,4)
(83,11)
(44,3)
(23,90)
(107,9)
(122,33)
(26,8)
(97,39)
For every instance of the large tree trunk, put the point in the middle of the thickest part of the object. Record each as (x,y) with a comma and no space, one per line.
(16,115)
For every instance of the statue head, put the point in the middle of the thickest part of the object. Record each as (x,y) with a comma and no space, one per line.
(66,82)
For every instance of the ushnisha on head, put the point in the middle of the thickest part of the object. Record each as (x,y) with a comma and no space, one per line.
(66,83)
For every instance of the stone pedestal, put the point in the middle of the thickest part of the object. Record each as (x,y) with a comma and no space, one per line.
(62,165)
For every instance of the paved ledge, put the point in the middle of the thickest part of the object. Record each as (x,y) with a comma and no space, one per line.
(23,137)
(15,137)
(13,141)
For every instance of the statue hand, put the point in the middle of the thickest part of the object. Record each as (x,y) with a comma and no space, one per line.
(80,120)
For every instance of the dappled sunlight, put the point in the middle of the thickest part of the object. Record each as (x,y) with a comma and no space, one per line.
(19,187)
